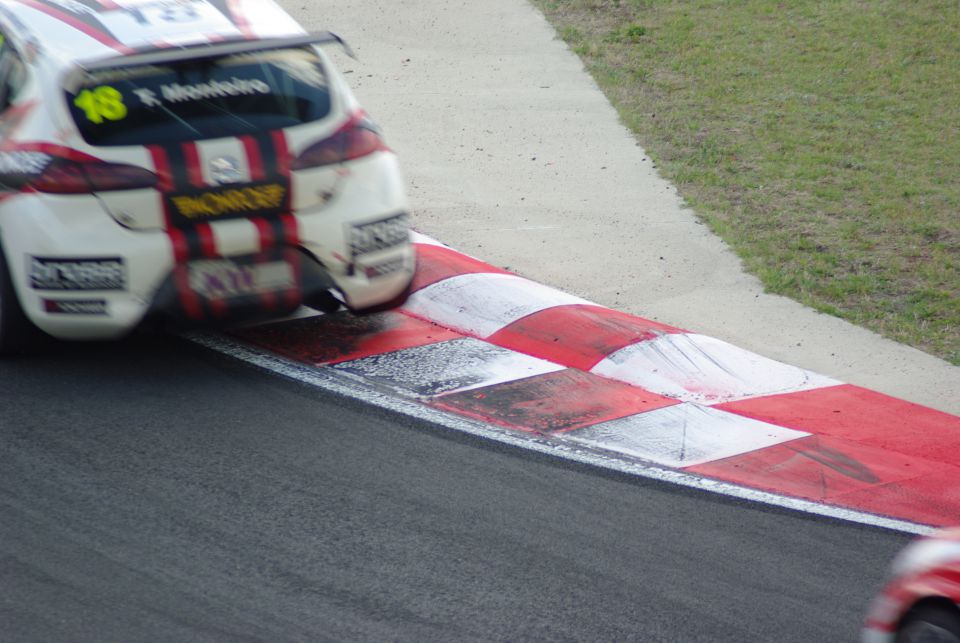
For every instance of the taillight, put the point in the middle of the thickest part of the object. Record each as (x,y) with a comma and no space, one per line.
(359,137)
(65,176)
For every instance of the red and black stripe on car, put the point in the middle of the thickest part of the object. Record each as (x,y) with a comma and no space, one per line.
(180,172)
(269,159)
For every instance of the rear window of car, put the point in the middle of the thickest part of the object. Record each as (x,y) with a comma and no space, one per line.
(194,100)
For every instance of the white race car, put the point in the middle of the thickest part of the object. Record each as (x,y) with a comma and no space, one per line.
(189,160)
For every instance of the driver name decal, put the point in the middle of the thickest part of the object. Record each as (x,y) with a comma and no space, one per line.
(177,93)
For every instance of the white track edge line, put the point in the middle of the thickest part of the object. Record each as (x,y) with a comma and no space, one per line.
(338,383)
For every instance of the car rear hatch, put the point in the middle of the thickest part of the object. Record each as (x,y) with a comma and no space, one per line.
(202,129)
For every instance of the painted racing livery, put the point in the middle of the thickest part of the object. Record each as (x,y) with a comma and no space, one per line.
(127,25)
(921,601)
(167,160)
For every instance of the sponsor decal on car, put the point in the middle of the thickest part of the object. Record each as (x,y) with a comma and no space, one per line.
(224,278)
(101,103)
(104,273)
(384,268)
(75,306)
(378,235)
(107,103)
(224,203)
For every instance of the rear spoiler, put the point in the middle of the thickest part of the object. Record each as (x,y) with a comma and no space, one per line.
(155,56)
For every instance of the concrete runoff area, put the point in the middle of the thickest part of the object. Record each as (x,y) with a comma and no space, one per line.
(512,154)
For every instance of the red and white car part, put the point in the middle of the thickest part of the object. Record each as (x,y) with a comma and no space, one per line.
(926,573)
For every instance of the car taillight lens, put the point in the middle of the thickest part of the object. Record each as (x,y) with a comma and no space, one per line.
(359,137)
(65,176)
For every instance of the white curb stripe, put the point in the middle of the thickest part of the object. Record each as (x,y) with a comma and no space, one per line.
(335,382)
(445,367)
(683,435)
(424,240)
(697,368)
(480,304)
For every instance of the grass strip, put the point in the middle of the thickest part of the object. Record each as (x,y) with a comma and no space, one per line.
(818,139)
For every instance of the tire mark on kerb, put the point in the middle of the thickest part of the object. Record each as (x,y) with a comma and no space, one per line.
(839,462)
(330,380)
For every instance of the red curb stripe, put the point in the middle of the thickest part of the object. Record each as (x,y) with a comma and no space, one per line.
(578,336)
(552,403)
(329,339)
(932,499)
(844,473)
(868,452)
(858,414)
(435,263)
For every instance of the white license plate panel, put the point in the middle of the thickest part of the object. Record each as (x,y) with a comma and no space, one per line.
(227,279)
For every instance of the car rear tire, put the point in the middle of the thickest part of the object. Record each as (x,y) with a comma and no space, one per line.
(17,333)
(931,624)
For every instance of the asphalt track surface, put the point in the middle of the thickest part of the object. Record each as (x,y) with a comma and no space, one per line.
(153,490)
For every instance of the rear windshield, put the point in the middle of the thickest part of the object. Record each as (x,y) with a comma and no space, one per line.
(229,96)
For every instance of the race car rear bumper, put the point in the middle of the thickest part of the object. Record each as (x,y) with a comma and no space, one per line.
(81,274)
(177,303)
